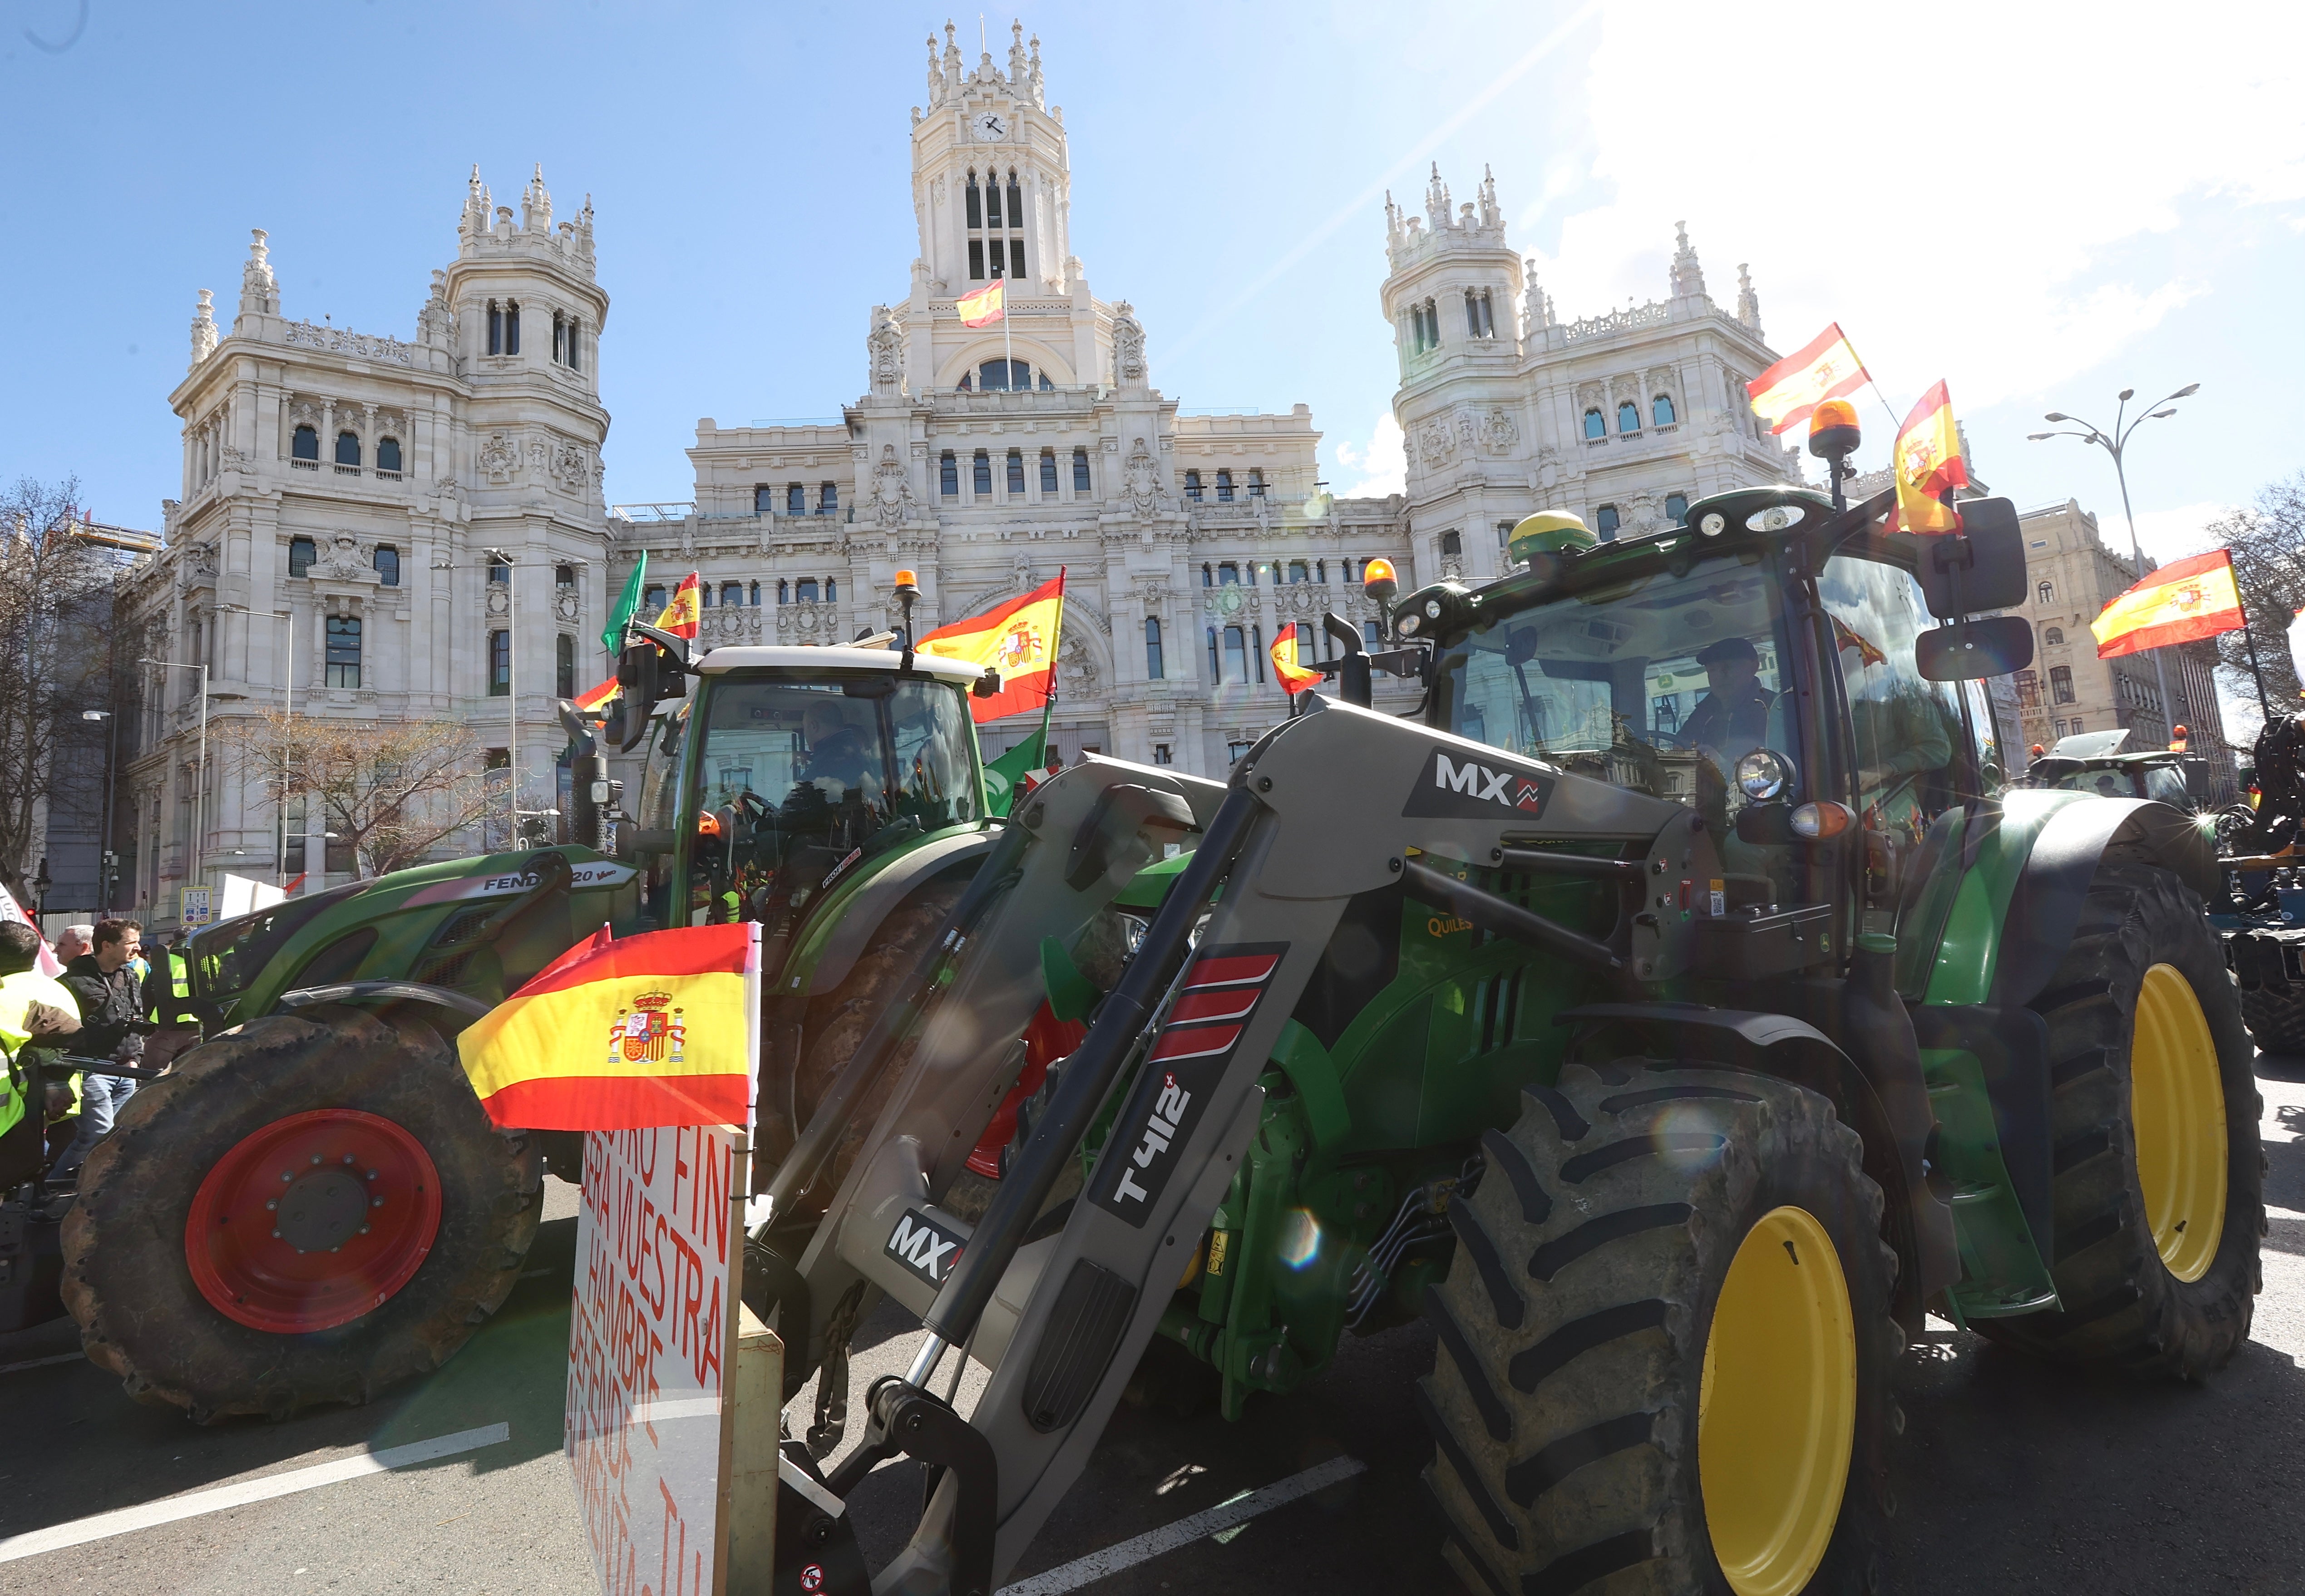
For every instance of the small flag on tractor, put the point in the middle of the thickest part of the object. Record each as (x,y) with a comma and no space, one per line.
(2182,600)
(598,698)
(1928,461)
(1827,367)
(1018,639)
(986,306)
(657,1028)
(1294,677)
(685,613)
(1007,777)
(628,603)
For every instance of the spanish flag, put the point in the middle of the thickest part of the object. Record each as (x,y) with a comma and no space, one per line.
(598,698)
(1928,462)
(613,1036)
(986,306)
(1826,368)
(2182,600)
(681,616)
(1294,677)
(1018,639)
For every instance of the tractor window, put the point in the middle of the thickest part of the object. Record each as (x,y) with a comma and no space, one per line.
(1907,729)
(796,774)
(2167,784)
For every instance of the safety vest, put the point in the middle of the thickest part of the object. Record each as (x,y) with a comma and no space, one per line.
(180,979)
(18,993)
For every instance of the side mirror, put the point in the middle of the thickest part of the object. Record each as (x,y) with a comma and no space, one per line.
(648,674)
(1973,650)
(1980,568)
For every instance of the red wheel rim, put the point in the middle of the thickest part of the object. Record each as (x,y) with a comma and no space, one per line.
(312,1221)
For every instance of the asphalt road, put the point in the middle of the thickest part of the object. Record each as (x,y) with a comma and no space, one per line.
(2010,1476)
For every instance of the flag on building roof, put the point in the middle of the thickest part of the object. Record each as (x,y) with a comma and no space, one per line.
(655,1029)
(1294,677)
(628,603)
(598,698)
(1928,461)
(2184,600)
(1018,639)
(685,613)
(986,306)
(1826,368)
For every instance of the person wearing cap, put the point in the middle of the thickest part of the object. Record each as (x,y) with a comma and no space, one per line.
(1733,718)
(837,751)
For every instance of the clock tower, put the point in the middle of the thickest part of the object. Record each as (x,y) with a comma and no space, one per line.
(991,185)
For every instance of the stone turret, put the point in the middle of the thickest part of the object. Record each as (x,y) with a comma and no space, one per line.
(260,294)
(1748,303)
(1688,277)
(204,328)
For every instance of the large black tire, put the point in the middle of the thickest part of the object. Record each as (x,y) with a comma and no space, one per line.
(1575,1320)
(2275,1020)
(127,1280)
(2120,1306)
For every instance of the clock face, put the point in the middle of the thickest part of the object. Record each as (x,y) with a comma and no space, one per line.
(990,124)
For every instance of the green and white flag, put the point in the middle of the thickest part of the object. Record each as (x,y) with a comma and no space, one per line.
(613,639)
(1003,778)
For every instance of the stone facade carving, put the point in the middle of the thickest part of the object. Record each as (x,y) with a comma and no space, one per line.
(500,458)
(1500,435)
(885,346)
(338,340)
(892,494)
(1127,345)
(204,328)
(1141,483)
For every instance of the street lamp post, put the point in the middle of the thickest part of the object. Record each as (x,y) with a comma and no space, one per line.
(200,790)
(512,681)
(104,849)
(2114,442)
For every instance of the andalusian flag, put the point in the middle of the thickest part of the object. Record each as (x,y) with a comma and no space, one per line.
(986,306)
(613,1036)
(1003,778)
(2181,601)
(1928,462)
(598,699)
(681,616)
(628,603)
(1826,368)
(1294,677)
(1018,639)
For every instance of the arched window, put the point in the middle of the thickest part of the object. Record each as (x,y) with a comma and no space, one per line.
(500,664)
(1015,474)
(1152,672)
(1594,427)
(949,476)
(496,328)
(1605,521)
(1004,375)
(983,474)
(305,443)
(301,552)
(2047,592)
(1676,508)
(975,203)
(704,597)
(764,499)
(563,666)
(1016,216)
(1046,386)
(1228,575)
(387,455)
(512,327)
(1215,674)
(500,573)
(805,590)
(1628,417)
(1661,411)
(828,498)
(756,595)
(652,599)
(796,499)
(1080,470)
(387,560)
(1451,543)
(348,449)
(1192,486)
(1049,472)
(992,200)
(2060,685)
(1224,488)
(2053,634)
(731,592)
(344,652)
(574,343)
(1256,483)
(564,578)
(968,382)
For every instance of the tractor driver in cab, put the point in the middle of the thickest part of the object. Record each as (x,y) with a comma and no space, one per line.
(842,757)
(1732,718)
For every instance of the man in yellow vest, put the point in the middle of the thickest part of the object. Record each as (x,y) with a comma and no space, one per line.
(34,1010)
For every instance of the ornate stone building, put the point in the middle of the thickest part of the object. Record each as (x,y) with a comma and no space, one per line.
(358,514)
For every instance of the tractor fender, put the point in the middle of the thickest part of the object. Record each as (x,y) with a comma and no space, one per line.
(1886,1104)
(2046,903)
(463,1004)
(858,918)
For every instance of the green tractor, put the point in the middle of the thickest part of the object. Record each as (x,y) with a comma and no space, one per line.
(312,1205)
(1671,1014)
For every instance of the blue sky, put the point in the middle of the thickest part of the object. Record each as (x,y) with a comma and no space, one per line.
(749,165)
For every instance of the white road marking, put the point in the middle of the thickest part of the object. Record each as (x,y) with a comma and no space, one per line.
(193,1505)
(1225,1515)
(61,1357)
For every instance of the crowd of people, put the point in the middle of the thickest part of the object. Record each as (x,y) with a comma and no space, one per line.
(114,1003)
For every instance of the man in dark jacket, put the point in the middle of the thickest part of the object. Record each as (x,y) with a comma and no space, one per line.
(112,1026)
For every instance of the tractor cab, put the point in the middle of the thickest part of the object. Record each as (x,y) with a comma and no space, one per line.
(2095,763)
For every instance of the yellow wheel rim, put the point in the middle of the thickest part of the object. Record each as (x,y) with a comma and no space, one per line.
(2177,1118)
(1777,1405)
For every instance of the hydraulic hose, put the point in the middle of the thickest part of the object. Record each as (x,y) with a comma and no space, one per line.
(1505,918)
(800,1167)
(1089,1073)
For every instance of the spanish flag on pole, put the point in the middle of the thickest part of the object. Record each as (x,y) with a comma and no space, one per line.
(1018,639)
(1826,368)
(1928,462)
(2181,601)
(1294,677)
(598,698)
(681,616)
(986,306)
(613,1036)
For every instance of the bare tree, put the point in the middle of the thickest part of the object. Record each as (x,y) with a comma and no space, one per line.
(57,603)
(2267,543)
(389,792)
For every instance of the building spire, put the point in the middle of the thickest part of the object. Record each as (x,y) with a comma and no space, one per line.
(952,74)
(204,328)
(1536,309)
(1687,276)
(474,223)
(935,74)
(1019,68)
(536,204)
(1032,75)
(1748,303)
(260,294)
(1491,215)
(1436,201)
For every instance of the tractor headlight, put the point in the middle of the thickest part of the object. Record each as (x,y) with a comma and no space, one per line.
(1410,623)
(1713,524)
(1763,775)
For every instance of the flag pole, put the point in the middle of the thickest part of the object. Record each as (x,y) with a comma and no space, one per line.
(2264,699)
(1870,382)
(1008,349)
